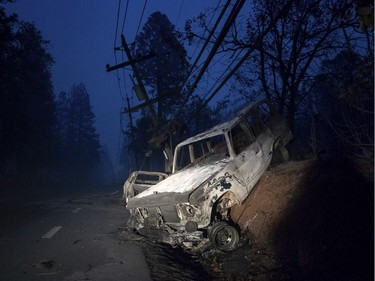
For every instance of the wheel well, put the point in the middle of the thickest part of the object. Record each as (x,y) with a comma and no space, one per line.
(220,209)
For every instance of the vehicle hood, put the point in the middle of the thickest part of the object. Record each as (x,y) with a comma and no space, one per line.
(177,187)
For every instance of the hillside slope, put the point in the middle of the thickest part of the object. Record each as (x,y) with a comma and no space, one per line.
(310,220)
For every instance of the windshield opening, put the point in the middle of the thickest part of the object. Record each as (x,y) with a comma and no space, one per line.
(202,151)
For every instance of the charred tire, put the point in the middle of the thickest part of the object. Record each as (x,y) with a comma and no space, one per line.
(224,236)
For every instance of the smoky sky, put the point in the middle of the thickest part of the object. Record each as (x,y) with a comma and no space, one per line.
(82,36)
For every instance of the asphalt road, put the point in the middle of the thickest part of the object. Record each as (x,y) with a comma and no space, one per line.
(57,234)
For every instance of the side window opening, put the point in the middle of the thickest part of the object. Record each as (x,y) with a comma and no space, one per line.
(240,137)
(218,145)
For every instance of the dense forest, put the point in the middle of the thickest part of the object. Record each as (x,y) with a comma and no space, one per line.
(313,59)
(44,138)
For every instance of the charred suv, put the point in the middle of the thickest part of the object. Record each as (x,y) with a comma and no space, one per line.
(212,172)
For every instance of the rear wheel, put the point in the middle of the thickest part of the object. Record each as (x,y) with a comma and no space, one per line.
(281,154)
(224,236)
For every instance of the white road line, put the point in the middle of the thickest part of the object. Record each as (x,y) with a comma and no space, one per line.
(75,211)
(52,232)
(113,193)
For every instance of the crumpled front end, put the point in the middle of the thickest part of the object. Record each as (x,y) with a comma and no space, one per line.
(178,218)
(164,224)
(164,213)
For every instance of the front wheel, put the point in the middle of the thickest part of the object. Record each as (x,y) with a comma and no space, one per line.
(224,236)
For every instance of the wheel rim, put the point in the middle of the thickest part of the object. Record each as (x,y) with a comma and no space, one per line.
(223,237)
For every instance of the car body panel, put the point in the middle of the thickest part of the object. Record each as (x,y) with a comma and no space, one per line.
(186,182)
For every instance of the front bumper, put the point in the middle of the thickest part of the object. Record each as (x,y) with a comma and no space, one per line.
(164,225)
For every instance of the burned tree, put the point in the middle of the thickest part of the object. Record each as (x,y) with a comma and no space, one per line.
(306,34)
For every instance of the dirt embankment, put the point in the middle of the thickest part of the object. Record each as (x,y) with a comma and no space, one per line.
(304,221)
(311,220)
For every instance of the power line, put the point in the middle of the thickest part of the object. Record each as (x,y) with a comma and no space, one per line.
(114,46)
(179,12)
(223,73)
(208,39)
(230,20)
(126,12)
(117,20)
(209,23)
(140,20)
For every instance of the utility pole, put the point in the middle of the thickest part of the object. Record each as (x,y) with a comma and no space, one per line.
(135,60)
(148,102)
(139,80)
(132,62)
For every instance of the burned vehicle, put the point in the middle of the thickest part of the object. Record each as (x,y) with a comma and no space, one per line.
(212,172)
(139,181)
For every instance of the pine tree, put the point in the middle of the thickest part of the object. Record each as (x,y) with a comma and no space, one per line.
(80,142)
(167,70)
(27,121)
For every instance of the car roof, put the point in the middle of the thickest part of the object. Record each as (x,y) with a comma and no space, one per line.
(223,127)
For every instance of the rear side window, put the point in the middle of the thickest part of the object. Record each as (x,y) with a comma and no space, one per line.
(257,118)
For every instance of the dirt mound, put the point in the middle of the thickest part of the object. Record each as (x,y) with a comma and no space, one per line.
(311,220)
(276,191)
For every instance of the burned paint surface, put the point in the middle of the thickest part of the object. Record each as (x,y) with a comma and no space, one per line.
(186,180)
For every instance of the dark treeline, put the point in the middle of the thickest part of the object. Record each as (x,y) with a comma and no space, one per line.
(313,59)
(43,139)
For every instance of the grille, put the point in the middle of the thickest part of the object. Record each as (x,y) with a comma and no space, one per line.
(169,213)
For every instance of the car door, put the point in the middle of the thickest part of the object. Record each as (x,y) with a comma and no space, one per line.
(253,159)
